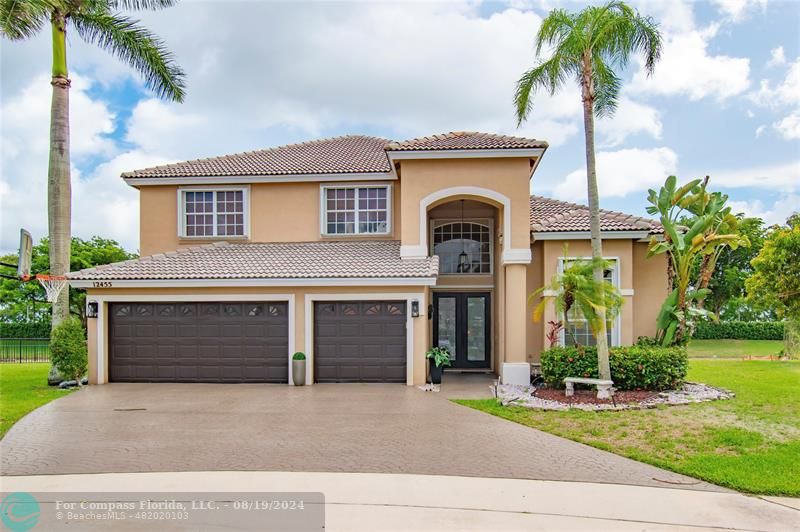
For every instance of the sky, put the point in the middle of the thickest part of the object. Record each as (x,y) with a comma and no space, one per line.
(724,100)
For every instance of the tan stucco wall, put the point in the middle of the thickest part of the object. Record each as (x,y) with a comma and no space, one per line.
(420,331)
(535,329)
(650,285)
(508,176)
(279,212)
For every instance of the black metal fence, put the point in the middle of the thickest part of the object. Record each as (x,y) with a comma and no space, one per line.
(24,350)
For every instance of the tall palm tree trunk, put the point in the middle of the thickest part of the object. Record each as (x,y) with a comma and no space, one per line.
(59,193)
(587,94)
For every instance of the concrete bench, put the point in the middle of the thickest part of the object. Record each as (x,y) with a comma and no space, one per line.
(604,388)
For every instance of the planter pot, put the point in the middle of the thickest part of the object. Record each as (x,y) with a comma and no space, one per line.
(436,372)
(299,372)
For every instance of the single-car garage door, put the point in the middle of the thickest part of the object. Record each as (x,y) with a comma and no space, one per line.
(199,342)
(360,341)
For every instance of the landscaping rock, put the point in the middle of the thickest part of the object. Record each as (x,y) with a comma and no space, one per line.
(68,384)
(85,381)
(54,378)
(544,399)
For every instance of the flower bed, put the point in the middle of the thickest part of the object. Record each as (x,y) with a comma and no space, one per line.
(554,399)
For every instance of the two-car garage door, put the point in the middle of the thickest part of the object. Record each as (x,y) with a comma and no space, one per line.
(354,341)
(199,342)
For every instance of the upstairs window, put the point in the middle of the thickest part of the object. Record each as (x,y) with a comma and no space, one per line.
(363,210)
(463,247)
(213,213)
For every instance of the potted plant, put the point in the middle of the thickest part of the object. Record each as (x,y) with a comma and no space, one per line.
(438,358)
(299,369)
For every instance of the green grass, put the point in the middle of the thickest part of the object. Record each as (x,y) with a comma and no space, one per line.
(734,348)
(750,443)
(23,388)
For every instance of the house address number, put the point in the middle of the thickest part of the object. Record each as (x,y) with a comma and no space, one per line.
(102,284)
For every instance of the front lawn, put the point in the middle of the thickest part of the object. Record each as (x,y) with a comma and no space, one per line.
(23,388)
(750,443)
(734,348)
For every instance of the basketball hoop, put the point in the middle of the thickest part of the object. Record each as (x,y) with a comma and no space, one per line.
(53,285)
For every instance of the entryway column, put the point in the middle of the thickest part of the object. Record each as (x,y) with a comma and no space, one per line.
(516,369)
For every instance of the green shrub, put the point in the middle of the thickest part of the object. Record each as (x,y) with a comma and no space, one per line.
(299,356)
(68,350)
(739,330)
(34,329)
(634,367)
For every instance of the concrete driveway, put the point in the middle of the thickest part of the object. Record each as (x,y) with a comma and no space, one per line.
(366,428)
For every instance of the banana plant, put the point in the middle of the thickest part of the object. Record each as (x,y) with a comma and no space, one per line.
(712,226)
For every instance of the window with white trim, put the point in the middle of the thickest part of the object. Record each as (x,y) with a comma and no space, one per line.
(356,210)
(471,238)
(213,213)
(577,329)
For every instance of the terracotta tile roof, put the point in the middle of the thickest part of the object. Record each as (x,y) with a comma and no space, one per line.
(338,155)
(465,140)
(347,154)
(293,260)
(549,215)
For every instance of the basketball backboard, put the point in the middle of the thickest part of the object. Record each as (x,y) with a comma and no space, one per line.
(25,251)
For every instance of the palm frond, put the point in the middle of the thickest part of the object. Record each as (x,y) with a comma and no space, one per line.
(21,19)
(549,75)
(129,41)
(140,5)
(607,86)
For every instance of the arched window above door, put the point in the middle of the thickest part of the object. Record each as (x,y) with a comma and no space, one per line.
(471,238)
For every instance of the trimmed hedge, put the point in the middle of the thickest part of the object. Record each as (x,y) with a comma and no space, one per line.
(634,367)
(25,330)
(739,330)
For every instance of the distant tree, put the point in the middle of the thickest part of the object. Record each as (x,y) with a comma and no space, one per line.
(733,268)
(26,302)
(775,283)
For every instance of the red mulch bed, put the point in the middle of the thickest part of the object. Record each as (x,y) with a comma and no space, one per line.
(590,396)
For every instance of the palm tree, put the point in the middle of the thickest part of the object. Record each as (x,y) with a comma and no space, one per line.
(575,287)
(97,22)
(586,47)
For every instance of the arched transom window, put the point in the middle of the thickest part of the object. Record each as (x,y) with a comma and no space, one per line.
(463,247)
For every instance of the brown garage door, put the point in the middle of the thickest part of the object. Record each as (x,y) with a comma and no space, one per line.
(360,341)
(199,342)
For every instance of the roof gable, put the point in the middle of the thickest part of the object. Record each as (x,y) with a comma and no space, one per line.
(465,140)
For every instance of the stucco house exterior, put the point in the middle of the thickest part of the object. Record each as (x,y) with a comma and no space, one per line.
(358,251)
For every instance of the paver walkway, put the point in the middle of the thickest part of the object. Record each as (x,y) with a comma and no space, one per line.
(368,428)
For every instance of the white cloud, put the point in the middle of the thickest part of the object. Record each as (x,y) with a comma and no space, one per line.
(789,126)
(621,172)
(760,130)
(101,202)
(777,57)
(631,118)
(739,10)
(777,213)
(787,92)
(687,68)
(783,177)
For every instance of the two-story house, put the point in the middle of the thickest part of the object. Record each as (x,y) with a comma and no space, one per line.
(358,251)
